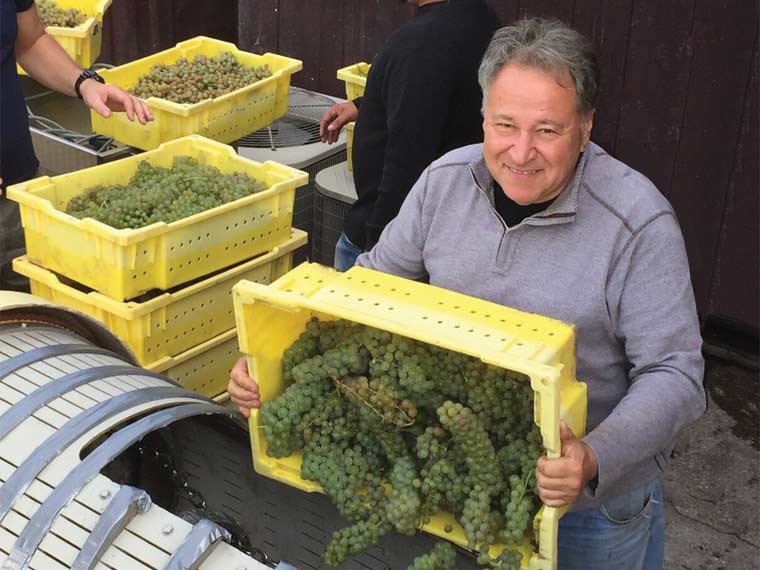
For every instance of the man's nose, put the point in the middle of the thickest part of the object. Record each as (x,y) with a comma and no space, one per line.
(522,150)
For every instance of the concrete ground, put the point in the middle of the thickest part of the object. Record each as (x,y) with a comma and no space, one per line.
(712,489)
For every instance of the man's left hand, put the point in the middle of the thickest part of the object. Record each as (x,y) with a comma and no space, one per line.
(561,479)
(107,98)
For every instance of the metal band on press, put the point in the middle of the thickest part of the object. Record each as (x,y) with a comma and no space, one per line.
(197,546)
(126,505)
(43,395)
(19,361)
(39,524)
(79,425)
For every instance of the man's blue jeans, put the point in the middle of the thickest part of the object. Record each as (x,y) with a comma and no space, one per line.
(624,533)
(345,253)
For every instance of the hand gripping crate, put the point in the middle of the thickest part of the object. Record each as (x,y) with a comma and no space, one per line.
(123,264)
(172,323)
(83,42)
(270,318)
(224,119)
(204,368)
(355,77)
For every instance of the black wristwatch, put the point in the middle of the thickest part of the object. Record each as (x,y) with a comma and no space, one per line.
(87,74)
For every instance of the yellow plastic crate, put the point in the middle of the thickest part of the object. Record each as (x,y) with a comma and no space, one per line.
(165,326)
(205,368)
(355,77)
(225,119)
(349,145)
(270,318)
(122,264)
(82,43)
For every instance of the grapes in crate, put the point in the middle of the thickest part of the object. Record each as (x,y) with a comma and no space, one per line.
(158,194)
(201,78)
(372,411)
(51,15)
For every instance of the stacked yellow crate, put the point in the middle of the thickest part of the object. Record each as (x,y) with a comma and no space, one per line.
(82,42)
(225,118)
(163,288)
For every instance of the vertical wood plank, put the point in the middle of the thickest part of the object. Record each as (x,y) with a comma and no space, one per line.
(217,19)
(160,25)
(369,25)
(607,23)
(735,292)
(331,48)
(120,27)
(656,85)
(723,38)
(313,34)
(258,25)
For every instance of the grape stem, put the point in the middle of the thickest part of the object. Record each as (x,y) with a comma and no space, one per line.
(409,422)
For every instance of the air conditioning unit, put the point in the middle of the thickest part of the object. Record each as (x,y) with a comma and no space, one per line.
(335,192)
(294,141)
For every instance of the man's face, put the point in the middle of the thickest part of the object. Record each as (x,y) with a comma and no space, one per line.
(533,132)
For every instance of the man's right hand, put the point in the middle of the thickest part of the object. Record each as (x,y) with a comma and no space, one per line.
(333,120)
(243,390)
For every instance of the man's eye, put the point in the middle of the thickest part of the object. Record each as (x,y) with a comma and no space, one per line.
(547,131)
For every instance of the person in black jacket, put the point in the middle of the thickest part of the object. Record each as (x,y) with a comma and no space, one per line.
(422,99)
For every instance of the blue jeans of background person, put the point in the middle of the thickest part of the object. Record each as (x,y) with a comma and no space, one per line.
(624,533)
(345,253)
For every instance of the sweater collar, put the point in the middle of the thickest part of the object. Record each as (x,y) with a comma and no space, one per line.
(564,206)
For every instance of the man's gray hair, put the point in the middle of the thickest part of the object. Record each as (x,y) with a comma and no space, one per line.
(550,45)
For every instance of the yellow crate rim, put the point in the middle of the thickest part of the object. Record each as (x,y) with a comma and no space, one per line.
(288,66)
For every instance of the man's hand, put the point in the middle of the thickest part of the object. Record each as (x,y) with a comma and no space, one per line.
(562,479)
(333,120)
(106,98)
(243,390)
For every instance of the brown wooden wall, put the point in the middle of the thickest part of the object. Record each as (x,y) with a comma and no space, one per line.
(679,96)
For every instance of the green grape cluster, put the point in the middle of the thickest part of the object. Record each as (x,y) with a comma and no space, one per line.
(395,430)
(52,15)
(442,557)
(158,194)
(403,506)
(355,539)
(517,508)
(201,78)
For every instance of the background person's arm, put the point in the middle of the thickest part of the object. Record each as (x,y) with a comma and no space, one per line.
(48,63)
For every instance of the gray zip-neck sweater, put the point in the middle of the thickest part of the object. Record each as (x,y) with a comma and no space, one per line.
(607,256)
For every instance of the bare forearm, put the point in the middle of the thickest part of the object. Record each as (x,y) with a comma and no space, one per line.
(47,62)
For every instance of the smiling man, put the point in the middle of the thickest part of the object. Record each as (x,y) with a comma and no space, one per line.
(541,219)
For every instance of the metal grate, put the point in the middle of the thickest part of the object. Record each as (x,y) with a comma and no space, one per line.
(329,214)
(306,216)
(299,127)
